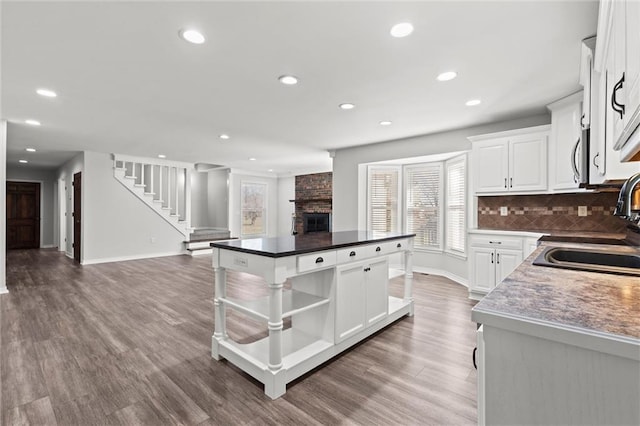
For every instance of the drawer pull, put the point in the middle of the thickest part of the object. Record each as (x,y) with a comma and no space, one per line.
(367,269)
(399,245)
(378,249)
(495,242)
(353,253)
(319,260)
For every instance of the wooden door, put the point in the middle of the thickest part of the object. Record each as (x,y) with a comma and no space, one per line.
(23,215)
(77,215)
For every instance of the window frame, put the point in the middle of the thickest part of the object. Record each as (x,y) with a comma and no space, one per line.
(265,209)
(398,204)
(461,159)
(405,182)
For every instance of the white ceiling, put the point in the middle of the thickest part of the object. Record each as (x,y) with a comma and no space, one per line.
(128,84)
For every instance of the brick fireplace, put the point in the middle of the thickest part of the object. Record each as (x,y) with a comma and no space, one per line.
(313,196)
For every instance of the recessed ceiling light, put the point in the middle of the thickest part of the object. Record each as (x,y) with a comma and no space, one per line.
(162,156)
(473,102)
(347,106)
(46,93)
(401,30)
(192,36)
(30,150)
(252,159)
(32,122)
(270,170)
(446,76)
(224,136)
(23,161)
(289,80)
(385,123)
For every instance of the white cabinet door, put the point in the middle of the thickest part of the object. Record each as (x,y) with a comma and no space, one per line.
(632,68)
(491,162)
(564,143)
(484,271)
(528,163)
(506,262)
(480,366)
(377,296)
(350,304)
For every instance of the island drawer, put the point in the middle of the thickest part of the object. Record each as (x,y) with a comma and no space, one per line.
(318,260)
(354,253)
(496,241)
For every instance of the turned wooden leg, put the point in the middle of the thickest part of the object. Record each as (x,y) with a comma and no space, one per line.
(275,326)
(408,279)
(220,326)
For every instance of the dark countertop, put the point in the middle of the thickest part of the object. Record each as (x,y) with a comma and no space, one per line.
(306,243)
(592,302)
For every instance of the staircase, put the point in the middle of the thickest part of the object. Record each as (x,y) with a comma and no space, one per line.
(164,186)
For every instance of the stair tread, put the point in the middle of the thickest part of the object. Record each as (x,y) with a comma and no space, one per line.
(150,193)
(158,201)
(140,185)
(166,208)
(131,177)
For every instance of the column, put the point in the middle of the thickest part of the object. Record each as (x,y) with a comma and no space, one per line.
(220,318)
(275,326)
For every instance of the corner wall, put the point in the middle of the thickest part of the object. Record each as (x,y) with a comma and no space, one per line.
(65,173)
(116,224)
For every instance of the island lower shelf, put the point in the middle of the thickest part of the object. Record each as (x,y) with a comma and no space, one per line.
(331,307)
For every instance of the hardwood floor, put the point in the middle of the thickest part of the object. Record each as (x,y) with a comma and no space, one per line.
(129,343)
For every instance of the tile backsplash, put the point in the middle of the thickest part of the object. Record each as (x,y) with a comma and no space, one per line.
(551,212)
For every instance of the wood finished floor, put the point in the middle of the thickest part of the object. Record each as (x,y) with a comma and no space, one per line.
(129,343)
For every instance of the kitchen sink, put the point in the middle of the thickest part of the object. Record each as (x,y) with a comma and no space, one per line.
(595,260)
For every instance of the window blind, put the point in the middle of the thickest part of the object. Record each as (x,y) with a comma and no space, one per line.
(455,222)
(383,199)
(424,195)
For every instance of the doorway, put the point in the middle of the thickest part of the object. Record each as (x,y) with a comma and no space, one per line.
(23,215)
(77,215)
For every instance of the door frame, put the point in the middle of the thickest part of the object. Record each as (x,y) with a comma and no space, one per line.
(41,202)
(62,214)
(77,257)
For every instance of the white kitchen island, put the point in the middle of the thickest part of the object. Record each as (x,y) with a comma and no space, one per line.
(339,295)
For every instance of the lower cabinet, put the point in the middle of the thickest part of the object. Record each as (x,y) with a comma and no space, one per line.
(361,296)
(492,257)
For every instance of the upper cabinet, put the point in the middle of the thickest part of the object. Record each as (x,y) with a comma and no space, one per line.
(617,61)
(511,162)
(565,143)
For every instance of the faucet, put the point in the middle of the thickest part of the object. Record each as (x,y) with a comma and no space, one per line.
(625,199)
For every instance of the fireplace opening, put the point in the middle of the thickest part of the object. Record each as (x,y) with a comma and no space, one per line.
(316,222)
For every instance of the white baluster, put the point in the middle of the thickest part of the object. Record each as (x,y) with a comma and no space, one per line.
(141,173)
(161,196)
(151,185)
(187,197)
(177,202)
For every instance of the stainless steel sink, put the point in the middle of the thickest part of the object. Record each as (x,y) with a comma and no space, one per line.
(596,260)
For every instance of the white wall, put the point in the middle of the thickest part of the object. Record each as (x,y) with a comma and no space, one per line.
(199,207)
(348,173)
(47,179)
(116,224)
(286,192)
(65,173)
(3,201)
(218,198)
(235,181)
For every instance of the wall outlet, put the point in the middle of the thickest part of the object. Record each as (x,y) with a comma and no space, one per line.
(504,210)
(152,239)
(582,210)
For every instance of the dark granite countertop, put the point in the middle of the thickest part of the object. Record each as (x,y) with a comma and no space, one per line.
(306,243)
(593,302)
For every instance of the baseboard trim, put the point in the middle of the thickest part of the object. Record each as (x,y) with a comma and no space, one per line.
(47,246)
(126,258)
(4,290)
(441,272)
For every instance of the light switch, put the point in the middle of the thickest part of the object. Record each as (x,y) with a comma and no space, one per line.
(504,210)
(582,210)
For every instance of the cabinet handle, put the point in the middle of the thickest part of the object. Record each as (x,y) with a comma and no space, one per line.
(497,257)
(505,182)
(319,260)
(378,249)
(475,350)
(495,242)
(510,182)
(614,100)
(582,121)
(594,160)
(399,245)
(353,253)
(574,165)
(367,269)
(491,257)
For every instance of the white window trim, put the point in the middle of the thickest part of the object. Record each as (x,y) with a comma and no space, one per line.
(265,208)
(399,206)
(459,159)
(407,168)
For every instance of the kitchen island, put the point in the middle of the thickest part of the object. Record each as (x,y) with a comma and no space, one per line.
(560,346)
(339,295)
